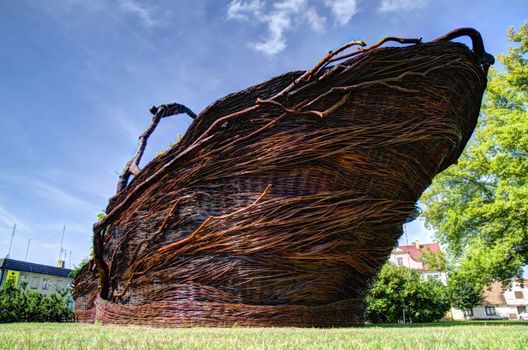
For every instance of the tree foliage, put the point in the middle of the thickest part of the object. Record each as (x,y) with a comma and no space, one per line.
(399,288)
(433,260)
(479,208)
(463,293)
(19,305)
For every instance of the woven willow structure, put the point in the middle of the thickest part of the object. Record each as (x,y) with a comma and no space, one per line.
(282,201)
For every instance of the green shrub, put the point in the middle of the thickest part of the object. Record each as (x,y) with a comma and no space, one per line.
(19,305)
(400,288)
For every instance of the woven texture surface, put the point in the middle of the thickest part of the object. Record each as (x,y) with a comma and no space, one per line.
(281,211)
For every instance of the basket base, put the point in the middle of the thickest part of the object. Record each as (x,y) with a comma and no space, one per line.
(194,313)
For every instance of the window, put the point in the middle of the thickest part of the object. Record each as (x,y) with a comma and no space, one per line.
(400,261)
(490,310)
(468,312)
(45,284)
(35,281)
(519,295)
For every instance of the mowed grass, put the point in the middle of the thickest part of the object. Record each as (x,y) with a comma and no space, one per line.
(489,335)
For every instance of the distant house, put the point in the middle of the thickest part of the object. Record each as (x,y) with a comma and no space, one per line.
(411,256)
(500,301)
(42,278)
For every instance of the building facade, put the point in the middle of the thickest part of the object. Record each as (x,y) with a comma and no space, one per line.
(410,256)
(499,301)
(42,278)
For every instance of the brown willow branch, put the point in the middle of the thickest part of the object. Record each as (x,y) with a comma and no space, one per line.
(309,73)
(132,166)
(384,82)
(209,219)
(376,45)
(187,239)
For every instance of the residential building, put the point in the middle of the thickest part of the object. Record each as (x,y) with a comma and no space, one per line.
(500,301)
(411,256)
(42,278)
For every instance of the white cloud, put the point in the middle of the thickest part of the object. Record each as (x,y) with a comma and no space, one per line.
(243,10)
(279,21)
(342,10)
(315,21)
(285,16)
(137,9)
(282,17)
(292,6)
(401,5)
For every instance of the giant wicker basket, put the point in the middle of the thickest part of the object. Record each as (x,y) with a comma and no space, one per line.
(282,201)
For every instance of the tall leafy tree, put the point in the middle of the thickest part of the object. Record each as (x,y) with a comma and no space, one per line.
(479,207)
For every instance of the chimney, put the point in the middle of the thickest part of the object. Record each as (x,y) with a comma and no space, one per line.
(60,263)
(417,244)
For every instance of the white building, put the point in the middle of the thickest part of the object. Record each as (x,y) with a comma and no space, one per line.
(411,256)
(37,277)
(499,302)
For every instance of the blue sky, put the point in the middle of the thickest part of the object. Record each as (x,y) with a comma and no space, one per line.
(77,78)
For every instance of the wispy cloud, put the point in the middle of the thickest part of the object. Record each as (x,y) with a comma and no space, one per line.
(144,13)
(287,16)
(244,10)
(342,10)
(108,9)
(122,121)
(61,197)
(7,219)
(48,192)
(316,21)
(401,5)
(278,22)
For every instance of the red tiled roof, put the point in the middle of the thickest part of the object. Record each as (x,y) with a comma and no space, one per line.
(494,292)
(416,254)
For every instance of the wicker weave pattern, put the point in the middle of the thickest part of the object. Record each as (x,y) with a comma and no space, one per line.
(282,215)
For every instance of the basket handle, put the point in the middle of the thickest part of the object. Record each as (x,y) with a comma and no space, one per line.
(162,111)
(485,58)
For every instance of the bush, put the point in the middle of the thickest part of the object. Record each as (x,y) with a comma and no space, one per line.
(19,305)
(400,288)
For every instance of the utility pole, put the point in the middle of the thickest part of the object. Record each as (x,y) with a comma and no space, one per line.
(60,262)
(62,240)
(27,249)
(11,242)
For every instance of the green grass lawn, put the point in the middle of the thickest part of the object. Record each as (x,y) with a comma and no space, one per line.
(489,335)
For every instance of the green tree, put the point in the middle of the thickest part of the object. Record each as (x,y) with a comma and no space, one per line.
(433,260)
(399,288)
(479,208)
(464,294)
